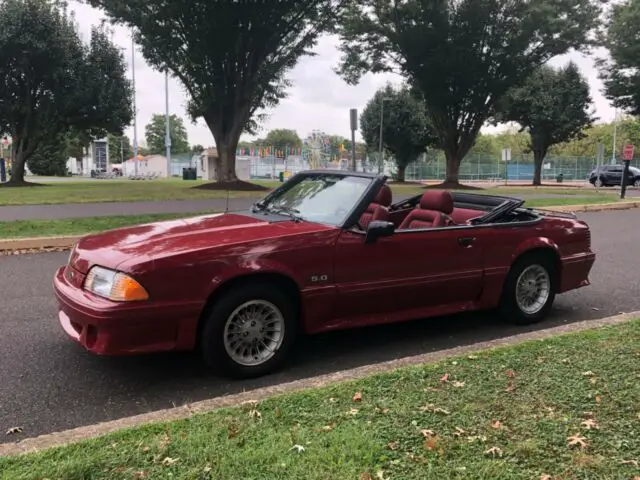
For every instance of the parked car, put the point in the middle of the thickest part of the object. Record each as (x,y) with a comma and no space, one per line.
(608,175)
(327,250)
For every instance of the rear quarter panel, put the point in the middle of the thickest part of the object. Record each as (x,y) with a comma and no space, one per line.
(570,239)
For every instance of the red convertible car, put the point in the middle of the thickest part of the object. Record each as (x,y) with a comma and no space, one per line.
(326,250)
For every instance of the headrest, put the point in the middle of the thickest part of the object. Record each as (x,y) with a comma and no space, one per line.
(384,196)
(438,200)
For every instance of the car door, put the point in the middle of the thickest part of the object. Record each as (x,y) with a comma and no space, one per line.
(614,175)
(411,269)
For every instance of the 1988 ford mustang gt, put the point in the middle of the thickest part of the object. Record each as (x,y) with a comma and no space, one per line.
(326,250)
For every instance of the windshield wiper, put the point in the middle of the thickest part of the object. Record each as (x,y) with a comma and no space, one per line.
(257,207)
(292,212)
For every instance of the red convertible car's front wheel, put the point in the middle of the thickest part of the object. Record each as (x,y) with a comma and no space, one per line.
(249,331)
(529,290)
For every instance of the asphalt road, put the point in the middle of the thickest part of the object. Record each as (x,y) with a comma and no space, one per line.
(47,383)
(78,210)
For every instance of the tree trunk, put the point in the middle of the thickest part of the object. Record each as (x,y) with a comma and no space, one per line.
(538,158)
(453,168)
(401,173)
(17,166)
(226,172)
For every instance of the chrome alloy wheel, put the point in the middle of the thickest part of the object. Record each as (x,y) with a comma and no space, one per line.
(533,288)
(254,332)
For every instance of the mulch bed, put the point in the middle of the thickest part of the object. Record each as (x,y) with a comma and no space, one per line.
(238,186)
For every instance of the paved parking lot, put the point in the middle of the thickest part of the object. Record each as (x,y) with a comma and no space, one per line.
(47,383)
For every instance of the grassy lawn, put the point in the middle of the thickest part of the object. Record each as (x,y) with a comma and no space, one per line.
(567,407)
(575,200)
(96,191)
(78,191)
(79,226)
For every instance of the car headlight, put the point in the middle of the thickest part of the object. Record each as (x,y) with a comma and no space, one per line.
(115,286)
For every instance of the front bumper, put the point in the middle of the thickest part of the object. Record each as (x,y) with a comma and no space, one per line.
(111,328)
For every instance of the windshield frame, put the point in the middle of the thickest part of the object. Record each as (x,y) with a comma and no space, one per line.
(359,205)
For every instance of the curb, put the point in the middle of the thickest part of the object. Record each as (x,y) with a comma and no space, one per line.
(57,439)
(34,245)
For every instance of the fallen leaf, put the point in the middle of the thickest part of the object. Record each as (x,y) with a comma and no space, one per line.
(332,400)
(630,462)
(454,363)
(433,409)
(168,461)
(328,428)
(459,432)
(593,380)
(598,399)
(427,433)
(431,443)
(14,430)
(444,378)
(544,476)
(366,476)
(577,440)
(380,475)
(297,448)
(472,357)
(139,475)
(352,411)
(255,414)
(392,445)
(146,449)
(588,373)
(166,440)
(494,451)
(565,360)
(510,373)
(587,414)
(510,387)
(357,397)
(473,438)
(496,424)
(457,384)
(589,424)
(382,410)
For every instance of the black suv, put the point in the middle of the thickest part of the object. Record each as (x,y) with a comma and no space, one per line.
(606,175)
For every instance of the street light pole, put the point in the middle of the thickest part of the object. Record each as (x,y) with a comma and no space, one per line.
(135,111)
(167,138)
(615,134)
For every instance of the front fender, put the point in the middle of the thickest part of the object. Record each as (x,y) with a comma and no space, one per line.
(532,244)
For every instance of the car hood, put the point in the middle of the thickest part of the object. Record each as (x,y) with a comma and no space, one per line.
(123,248)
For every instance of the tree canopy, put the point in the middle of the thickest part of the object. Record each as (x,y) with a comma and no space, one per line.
(282,138)
(406,130)
(155,133)
(463,55)
(553,106)
(231,57)
(621,72)
(52,82)
(120,148)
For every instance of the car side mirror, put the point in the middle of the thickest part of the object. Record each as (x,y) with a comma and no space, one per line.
(378,229)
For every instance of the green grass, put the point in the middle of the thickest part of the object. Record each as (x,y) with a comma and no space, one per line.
(80,226)
(98,191)
(582,200)
(78,191)
(523,403)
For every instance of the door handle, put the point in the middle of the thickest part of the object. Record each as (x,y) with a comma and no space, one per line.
(466,241)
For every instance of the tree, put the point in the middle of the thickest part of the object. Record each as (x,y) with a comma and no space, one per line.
(463,55)
(120,148)
(52,82)
(621,73)
(282,138)
(552,106)
(50,158)
(406,131)
(197,149)
(231,57)
(155,133)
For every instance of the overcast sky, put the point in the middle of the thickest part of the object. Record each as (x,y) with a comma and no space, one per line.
(319,99)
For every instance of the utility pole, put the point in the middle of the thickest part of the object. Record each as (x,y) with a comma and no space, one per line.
(135,110)
(615,133)
(381,159)
(167,138)
(353,116)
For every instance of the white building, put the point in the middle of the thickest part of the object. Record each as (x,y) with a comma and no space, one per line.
(151,164)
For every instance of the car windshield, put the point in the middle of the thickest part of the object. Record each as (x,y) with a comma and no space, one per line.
(321,198)
(634,170)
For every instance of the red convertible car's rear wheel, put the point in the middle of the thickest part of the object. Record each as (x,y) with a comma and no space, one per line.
(529,290)
(249,331)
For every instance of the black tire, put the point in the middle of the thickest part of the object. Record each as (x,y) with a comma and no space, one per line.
(636,182)
(212,337)
(509,308)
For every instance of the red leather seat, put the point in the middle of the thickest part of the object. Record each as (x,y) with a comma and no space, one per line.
(379,208)
(433,211)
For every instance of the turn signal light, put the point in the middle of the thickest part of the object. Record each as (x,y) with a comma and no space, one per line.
(115,286)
